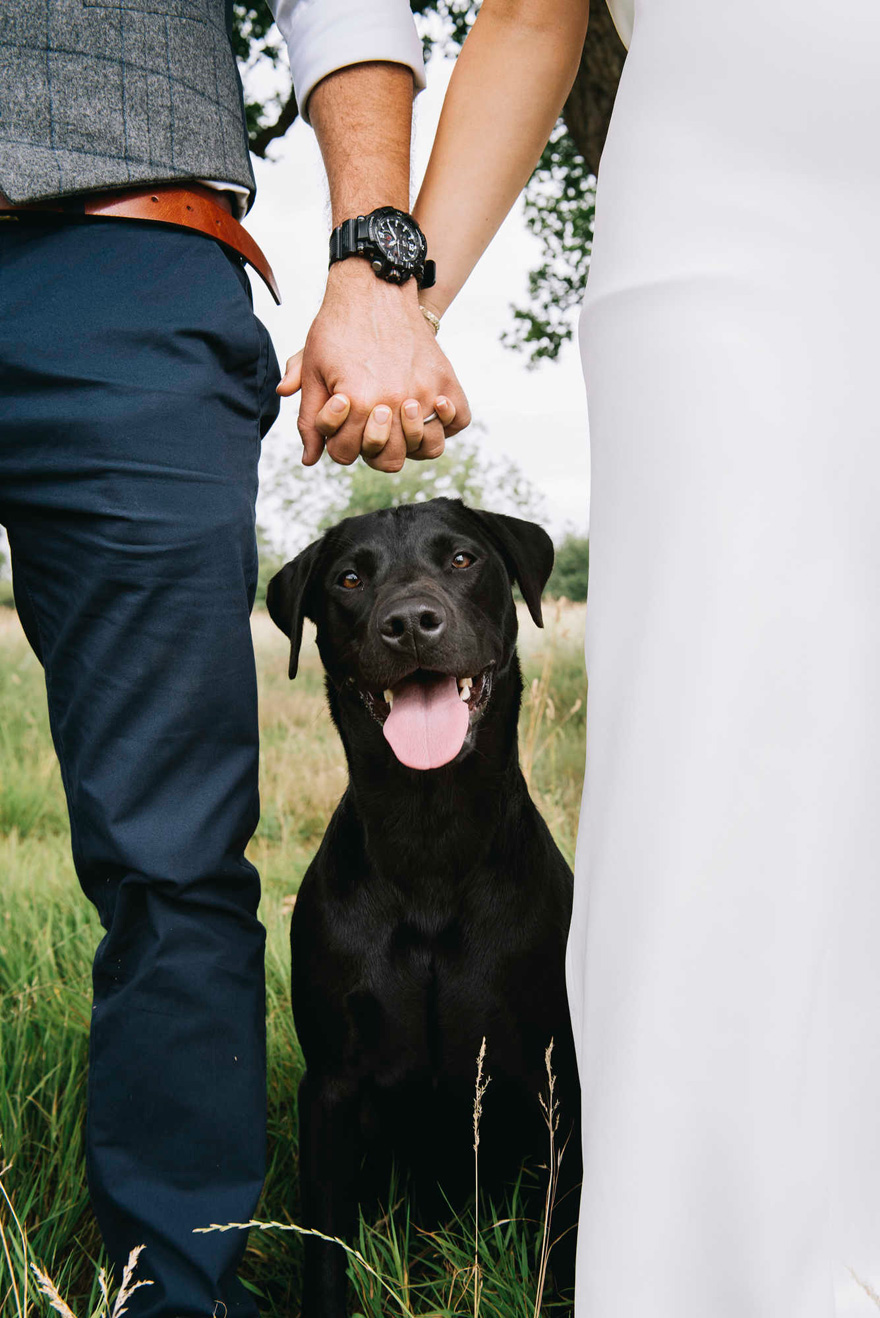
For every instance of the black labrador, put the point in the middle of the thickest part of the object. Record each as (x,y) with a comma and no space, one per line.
(436,910)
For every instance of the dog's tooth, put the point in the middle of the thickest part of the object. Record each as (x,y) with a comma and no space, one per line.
(465,693)
(389,697)
(465,682)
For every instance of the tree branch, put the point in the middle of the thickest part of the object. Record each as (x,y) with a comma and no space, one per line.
(262,136)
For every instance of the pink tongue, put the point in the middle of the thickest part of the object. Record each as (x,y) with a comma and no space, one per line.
(428,722)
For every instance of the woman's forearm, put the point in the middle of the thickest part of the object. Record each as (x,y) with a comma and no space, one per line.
(506,92)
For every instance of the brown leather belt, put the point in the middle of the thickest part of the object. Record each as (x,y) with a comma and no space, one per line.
(191,207)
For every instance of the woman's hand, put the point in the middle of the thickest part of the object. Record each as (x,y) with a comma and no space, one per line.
(370,372)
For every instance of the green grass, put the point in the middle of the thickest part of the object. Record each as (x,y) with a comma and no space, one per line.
(48,933)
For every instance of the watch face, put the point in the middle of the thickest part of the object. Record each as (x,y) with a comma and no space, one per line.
(398,240)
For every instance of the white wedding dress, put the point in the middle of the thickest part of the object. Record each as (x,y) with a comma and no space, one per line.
(724,960)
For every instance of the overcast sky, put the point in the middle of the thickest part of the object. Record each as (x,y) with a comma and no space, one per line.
(537,417)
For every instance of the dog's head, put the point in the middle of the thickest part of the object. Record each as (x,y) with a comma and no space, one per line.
(415,616)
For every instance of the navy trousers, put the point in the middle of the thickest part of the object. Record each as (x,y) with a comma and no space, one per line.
(135,387)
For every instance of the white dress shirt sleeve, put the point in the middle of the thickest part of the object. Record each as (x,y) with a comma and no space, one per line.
(325,35)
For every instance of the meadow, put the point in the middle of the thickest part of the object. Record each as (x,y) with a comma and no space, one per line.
(48,933)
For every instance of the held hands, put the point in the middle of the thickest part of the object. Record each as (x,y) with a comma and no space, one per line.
(371,370)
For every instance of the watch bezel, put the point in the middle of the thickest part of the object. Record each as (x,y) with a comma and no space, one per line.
(377,252)
(375,218)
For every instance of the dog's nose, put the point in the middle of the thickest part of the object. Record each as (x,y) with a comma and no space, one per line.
(409,624)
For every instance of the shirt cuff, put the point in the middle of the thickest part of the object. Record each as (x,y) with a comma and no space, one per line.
(325,35)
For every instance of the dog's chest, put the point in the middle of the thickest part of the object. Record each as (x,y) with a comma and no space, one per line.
(423,944)
(424,998)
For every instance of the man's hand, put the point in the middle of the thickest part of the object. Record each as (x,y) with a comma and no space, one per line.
(370,372)
(370,347)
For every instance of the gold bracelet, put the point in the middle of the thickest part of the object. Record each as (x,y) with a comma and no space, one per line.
(433,321)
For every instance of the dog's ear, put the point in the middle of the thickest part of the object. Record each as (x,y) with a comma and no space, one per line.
(286,599)
(528,552)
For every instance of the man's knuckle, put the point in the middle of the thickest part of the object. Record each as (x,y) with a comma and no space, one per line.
(342,453)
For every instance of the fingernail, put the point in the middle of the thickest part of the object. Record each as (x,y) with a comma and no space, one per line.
(411,409)
(442,402)
(338,403)
(382,414)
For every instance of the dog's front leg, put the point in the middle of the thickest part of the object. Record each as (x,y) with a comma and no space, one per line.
(329,1161)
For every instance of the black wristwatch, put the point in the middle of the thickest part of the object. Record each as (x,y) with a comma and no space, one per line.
(391,241)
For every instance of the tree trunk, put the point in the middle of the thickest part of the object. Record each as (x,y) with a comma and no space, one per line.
(588,109)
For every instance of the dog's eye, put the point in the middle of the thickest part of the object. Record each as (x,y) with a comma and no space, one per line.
(350,580)
(461,559)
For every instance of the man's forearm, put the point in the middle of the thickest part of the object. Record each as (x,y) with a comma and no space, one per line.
(362,116)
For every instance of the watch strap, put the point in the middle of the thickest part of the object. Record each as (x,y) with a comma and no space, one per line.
(347,238)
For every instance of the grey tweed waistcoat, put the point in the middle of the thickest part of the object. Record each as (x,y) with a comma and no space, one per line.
(107,93)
